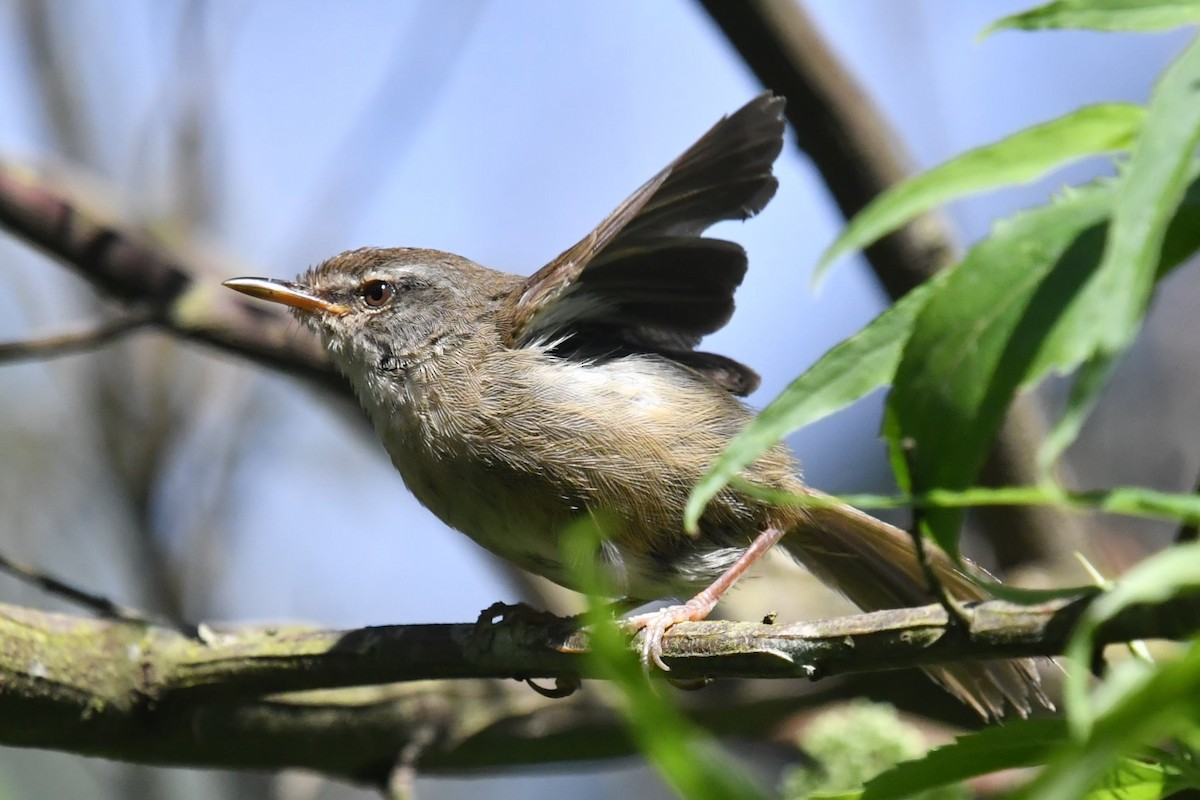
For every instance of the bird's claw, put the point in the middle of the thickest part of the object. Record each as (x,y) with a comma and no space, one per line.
(655,624)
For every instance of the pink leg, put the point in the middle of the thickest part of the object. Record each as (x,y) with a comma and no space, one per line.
(655,623)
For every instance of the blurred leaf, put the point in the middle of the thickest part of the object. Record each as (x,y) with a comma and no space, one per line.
(1022,157)
(851,744)
(850,370)
(1103,15)
(1021,743)
(1165,704)
(1136,501)
(1154,580)
(1131,501)
(1109,310)
(688,760)
(1134,780)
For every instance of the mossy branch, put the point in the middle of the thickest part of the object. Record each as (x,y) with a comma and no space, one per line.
(260,696)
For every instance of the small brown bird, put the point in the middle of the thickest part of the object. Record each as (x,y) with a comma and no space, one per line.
(515,405)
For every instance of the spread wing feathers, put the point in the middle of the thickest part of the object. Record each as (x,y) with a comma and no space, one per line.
(645,279)
(677,288)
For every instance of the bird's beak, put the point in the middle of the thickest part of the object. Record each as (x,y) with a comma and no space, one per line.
(295,295)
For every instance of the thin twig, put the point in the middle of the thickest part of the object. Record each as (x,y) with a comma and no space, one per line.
(69,342)
(137,273)
(97,604)
(936,588)
(401,782)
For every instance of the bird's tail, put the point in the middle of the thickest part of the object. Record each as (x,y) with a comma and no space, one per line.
(876,567)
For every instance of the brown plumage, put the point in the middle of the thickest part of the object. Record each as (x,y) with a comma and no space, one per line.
(513,406)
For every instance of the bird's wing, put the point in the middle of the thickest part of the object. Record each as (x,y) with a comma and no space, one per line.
(645,280)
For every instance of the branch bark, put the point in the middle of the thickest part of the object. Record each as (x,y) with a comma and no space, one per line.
(138,692)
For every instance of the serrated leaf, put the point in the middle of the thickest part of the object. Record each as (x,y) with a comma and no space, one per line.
(1103,15)
(1166,704)
(1022,743)
(850,370)
(1020,158)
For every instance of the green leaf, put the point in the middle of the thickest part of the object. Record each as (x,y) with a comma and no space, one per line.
(1133,501)
(1133,780)
(850,370)
(1068,231)
(1103,15)
(1022,743)
(1035,297)
(848,745)
(1062,352)
(1165,704)
(1152,581)
(974,341)
(1142,502)
(1014,745)
(1110,310)
(1022,157)
(687,759)
(1018,594)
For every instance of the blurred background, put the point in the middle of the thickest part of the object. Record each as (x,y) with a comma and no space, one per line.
(266,136)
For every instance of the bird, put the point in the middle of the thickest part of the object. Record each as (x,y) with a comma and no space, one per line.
(514,406)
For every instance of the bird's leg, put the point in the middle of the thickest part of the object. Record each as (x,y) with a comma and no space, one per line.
(655,623)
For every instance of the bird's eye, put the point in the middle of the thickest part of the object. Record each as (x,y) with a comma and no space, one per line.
(377,293)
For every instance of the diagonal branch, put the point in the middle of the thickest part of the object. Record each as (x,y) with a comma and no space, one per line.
(153,283)
(96,603)
(69,342)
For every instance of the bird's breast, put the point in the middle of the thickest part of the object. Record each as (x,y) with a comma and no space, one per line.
(516,449)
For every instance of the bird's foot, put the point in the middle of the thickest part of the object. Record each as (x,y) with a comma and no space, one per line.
(499,613)
(656,623)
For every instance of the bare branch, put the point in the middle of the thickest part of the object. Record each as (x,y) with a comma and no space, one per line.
(149,281)
(96,603)
(299,659)
(69,342)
